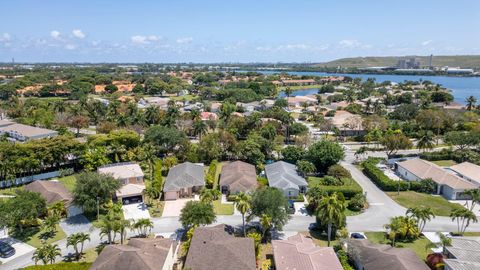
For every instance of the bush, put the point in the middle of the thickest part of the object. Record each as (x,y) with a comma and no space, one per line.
(357,203)
(262,181)
(343,258)
(382,181)
(299,198)
(348,191)
(331,181)
(338,172)
(428,186)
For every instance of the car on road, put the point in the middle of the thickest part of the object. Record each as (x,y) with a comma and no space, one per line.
(6,250)
(357,236)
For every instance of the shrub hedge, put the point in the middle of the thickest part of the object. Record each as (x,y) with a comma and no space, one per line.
(384,182)
(60,266)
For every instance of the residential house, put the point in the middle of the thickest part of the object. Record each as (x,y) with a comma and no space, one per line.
(131,176)
(463,254)
(369,256)
(468,171)
(300,253)
(449,185)
(213,248)
(238,176)
(22,133)
(298,101)
(183,180)
(347,123)
(139,254)
(53,192)
(205,116)
(284,176)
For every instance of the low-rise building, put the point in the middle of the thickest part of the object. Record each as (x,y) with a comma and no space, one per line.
(468,171)
(22,133)
(132,178)
(284,176)
(300,253)
(462,254)
(140,254)
(214,248)
(238,176)
(183,180)
(449,185)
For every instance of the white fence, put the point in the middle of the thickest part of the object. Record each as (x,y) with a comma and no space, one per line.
(28,179)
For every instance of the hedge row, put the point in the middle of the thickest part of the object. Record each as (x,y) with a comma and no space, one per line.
(60,266)
(384,182)
(348,190)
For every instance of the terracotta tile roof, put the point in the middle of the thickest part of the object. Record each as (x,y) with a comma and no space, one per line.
(212,248)
(140,253)
(239,176)
(300,253)
(424,169)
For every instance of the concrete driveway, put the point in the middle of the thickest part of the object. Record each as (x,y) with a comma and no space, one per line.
(300,208)
(20,249)
(135,211)
(76,224)
(173,208)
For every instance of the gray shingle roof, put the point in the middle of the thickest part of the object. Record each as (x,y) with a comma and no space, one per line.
(184,175)
(466,254)
(284,175)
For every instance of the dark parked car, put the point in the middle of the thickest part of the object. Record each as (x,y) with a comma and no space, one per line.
(313,227)
(6,250)
(291,207)
(357,236)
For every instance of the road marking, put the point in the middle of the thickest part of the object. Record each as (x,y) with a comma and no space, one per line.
(376,204)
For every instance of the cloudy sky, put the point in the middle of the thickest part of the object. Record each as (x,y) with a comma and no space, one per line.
(240,31)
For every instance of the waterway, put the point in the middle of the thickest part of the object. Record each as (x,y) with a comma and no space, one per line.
(461,87)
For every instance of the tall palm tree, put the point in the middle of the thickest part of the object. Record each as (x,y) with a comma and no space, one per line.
(331,210)
(421,215)
(47,253)
(74,240)
(475,194)
(122,226)
(199,128)
(150,155)
(463,217)
(242,203)
(143,226)
(426,140)
(471,102)
(152,115)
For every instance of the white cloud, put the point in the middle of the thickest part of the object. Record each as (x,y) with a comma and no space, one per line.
(55,34)
(5,37)
(78,33)
(350,43)
(426,42)
(139,39)
(184,40)
(70,47)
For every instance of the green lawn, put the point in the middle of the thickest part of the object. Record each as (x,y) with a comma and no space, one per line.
(217,174)
(33,236)
(10,191)
(439,205)
(69,182)
(89,255)
(156,208)
(61,266)
(445,163)
(418,246)
(222,209)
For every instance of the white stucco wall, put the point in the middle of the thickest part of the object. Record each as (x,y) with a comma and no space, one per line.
(407,175)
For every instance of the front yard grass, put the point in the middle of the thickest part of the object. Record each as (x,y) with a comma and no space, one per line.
(34,236)
(156,208)
(439,205)
(445,163)
(417,246)
(61,266)
(217,174)
(222,208)
(89,255)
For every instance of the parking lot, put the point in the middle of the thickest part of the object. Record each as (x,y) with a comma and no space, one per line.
(20,249)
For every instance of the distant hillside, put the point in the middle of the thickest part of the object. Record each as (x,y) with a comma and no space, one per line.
(465,61)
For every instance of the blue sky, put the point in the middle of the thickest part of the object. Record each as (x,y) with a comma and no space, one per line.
(234,31)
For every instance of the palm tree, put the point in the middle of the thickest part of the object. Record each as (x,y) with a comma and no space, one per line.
(122,227)
(209,195)
(57,209)
(150,155)
(471,102)
(475,194)
(463,217)
(331,210)
(421,215)
(402,227)
(144,226)
(266,223)
(152,193)
(152,115)
(426,140)
(74,240)
(288,92)
(107,225)
(199,128)
(47,253)
(242,203)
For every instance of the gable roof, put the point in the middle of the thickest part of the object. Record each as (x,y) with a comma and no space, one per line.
(122,170)
(468,170)
(27,131)
(139,253)
(380,257)
(424,169)
(213,248)
(239,176)
(51,191)
(284,175)
(300,253)
(184,175)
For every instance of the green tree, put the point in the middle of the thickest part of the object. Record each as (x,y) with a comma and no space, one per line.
(426,140)
(292,154)
(257,240)
(324,154)
(197,213)
(272,202)
(463,217)
(94,189)
(305,167)
(47,253)
(242,203)
(471,102)
(199,128)
(76,239)
(331,211)
(209,195)
(25,207)
(395,142)
(143,226)
(421,215)
(166,138)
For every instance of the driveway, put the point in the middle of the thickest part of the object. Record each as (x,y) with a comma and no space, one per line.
(76,224)
(173,208)
(300,209)
(135,211)
(21,249)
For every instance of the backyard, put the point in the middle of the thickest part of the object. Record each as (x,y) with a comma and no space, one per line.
(439,205)
(222,208)
(418,246)
(69,182)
